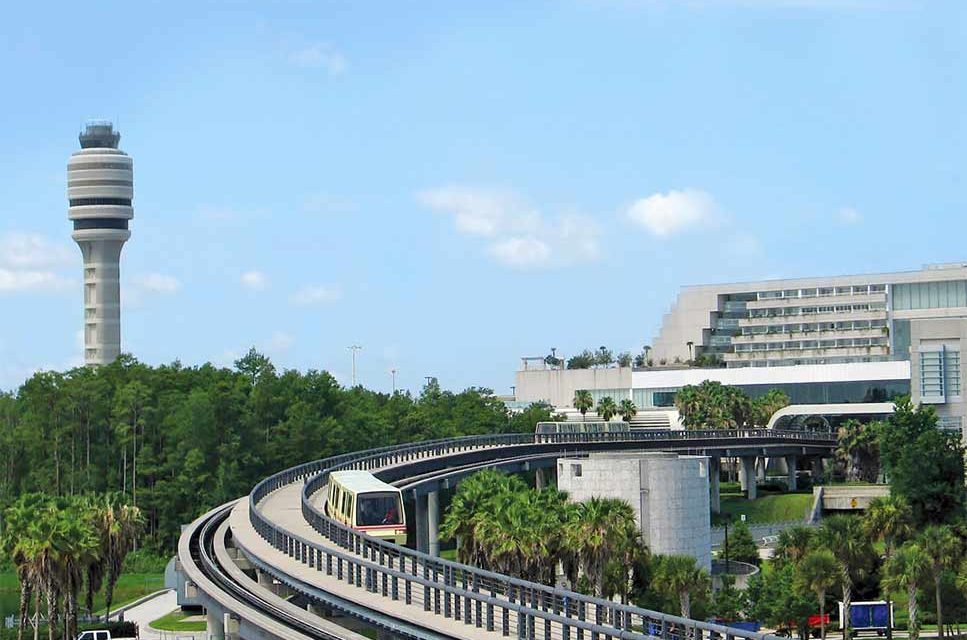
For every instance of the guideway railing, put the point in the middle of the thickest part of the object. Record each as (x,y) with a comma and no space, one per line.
(468,594)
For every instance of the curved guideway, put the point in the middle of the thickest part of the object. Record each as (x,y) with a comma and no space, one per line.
(282,531)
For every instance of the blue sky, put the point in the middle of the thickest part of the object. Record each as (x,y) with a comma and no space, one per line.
(453,185)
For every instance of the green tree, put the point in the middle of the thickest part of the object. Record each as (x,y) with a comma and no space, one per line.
(818,572)
(627,410)
(906,571)
(768,404)
(793,545)
(936,491)
(602,529)
(583,402)
(858,446)
(775,599)
(607,408)
(742,546)
(849,544)
(729,603)
(682,578)
(943,549)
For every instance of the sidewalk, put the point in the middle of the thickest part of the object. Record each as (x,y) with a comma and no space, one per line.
(153,609)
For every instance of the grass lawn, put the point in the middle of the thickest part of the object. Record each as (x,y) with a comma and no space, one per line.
(777,507)
(129,588)
(449,554)
(175,621)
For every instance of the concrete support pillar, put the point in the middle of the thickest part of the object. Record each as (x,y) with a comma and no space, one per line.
(714,477)
(231,626)
(743,480)
(817,469)
(422,538)
(264,580)
(216,624)
(315,609)
(540,479)
(748,472)
(433,523)
(791,462)
(760,468)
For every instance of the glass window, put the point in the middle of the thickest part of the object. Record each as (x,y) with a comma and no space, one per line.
(378,508)
(576,471)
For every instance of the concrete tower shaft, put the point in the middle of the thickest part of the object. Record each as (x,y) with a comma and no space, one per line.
(100,189)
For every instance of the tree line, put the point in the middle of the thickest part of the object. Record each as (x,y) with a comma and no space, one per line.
(177,440)
(61,546)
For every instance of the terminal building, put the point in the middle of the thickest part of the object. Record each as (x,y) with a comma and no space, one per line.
(826,342)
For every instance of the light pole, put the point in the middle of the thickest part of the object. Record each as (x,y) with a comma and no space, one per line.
(392,373)
(354,348)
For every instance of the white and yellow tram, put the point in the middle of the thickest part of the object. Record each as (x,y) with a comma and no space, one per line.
(362,501)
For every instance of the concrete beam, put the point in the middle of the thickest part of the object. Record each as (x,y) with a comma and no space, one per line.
(714,476)
(748,474)
(433,523)
(422,525)
(791,463)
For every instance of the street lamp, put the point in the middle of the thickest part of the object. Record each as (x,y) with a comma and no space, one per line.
(354,348)
(727,518)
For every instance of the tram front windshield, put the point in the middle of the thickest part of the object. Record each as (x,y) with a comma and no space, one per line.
(378,508)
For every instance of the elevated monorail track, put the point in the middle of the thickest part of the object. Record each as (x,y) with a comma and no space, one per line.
(281,530)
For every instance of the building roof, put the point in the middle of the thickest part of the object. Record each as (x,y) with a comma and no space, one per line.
(361,482)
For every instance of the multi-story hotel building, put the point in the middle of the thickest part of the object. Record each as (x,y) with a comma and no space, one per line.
(834,320)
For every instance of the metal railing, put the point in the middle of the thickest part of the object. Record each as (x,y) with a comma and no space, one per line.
(465,593)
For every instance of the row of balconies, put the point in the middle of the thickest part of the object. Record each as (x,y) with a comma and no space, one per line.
(838,316)
(772,354)
(782,303)
(809,335)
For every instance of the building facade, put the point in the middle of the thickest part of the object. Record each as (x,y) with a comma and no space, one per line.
(833,320)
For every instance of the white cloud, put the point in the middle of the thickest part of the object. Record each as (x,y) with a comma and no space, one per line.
(667,214)
(279,341)
(319,56)
(255,280)
(156,283)
(482,212)
(520,235)
(849,216)
(13,280)
(315,295)
(521,253)
(33,251)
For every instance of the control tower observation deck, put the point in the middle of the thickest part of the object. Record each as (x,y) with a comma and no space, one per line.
(100,189)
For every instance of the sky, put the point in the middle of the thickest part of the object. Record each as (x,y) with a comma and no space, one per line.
(454,185)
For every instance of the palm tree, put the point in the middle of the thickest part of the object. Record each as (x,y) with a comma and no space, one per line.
(889,520)
(604,528)
(129,522)
(627,409)
(472,498)
(583,402)
(20,546)
(844,537)
(793,545)
(906,570)
(818,572)
(607,408)
(681,577)
(80,548)
(940,544)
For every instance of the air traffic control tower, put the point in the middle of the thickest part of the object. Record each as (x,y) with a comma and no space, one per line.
(100,187)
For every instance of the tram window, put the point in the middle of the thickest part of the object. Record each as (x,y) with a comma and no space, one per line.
(378,508)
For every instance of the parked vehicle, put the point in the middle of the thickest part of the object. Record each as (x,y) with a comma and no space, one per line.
(873,615)
(94,634)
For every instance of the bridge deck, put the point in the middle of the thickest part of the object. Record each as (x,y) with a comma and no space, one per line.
(284,508)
